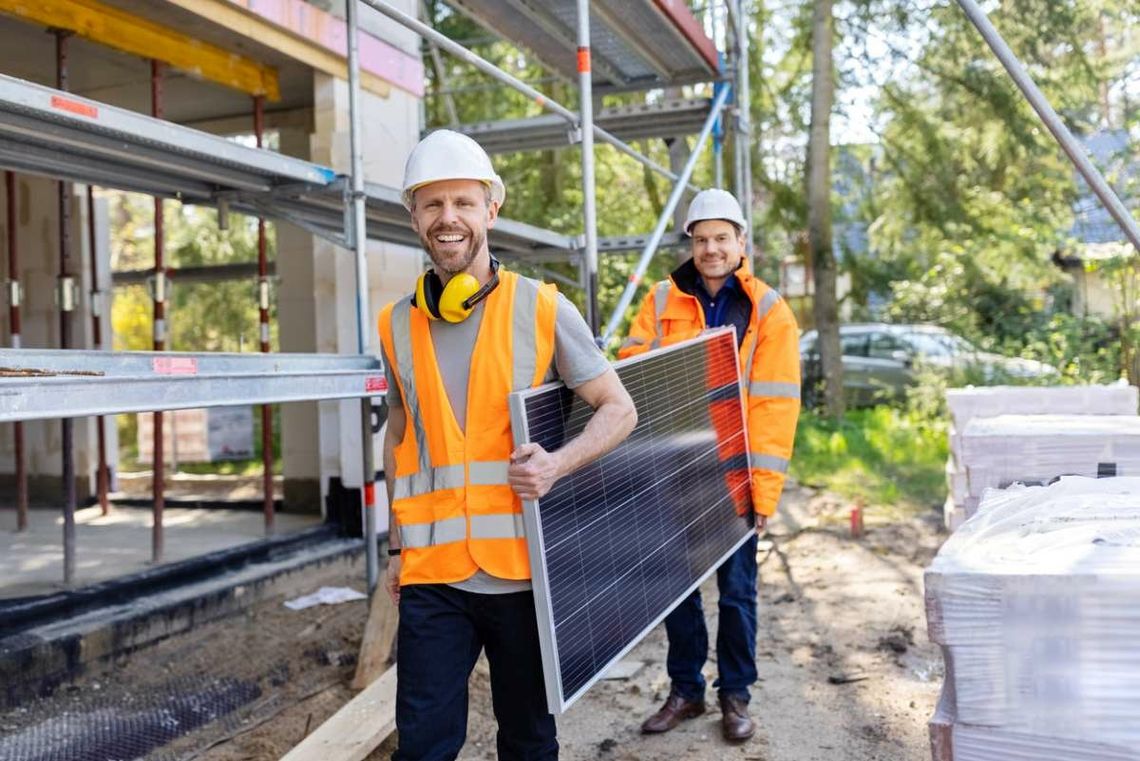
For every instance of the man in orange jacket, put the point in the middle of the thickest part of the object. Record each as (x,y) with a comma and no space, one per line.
(714,289)
(454,350)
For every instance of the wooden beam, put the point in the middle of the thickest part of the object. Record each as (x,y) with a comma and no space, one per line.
(314,55)
(355,730)
(138,36)
(378,646)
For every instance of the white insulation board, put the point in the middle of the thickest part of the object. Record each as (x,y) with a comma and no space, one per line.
(990,401)
(1035,449)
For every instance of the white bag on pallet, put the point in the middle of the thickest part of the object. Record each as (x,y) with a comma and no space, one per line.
(1036,603)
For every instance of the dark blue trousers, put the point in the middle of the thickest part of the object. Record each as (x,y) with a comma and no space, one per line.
(735,636)
(442,630)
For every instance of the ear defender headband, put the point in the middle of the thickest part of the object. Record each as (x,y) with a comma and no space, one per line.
(455,301)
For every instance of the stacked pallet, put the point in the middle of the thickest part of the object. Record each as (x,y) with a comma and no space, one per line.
(1036,604)
(973,404)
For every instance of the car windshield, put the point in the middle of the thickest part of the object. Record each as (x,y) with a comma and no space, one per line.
(939,344)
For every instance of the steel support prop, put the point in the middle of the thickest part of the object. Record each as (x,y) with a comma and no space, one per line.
(158,467)
(65,296)
(744,114)
(665,217)
(263,336)
(1068,143)
(491,70)
(589,190)
(97,304)
(14,298)
(358,236)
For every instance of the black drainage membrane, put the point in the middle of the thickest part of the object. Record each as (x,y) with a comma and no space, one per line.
(132,729)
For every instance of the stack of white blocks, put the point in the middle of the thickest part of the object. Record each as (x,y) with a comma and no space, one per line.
(1036,604)
(994,442)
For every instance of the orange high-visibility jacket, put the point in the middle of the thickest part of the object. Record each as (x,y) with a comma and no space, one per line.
(453,506)
(769,361)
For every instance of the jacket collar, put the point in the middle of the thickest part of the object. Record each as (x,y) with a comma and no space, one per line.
(687,279)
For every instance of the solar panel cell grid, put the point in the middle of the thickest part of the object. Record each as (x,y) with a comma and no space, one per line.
(616,545)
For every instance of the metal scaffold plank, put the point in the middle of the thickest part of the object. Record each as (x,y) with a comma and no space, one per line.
(55,134)
(62,384)
(639,44)
(46,362)
(633,122)
(43,118)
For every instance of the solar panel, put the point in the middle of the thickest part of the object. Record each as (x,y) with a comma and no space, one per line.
(615,546)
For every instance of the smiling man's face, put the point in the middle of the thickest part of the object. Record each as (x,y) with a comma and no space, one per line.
(451,218)
(718,246)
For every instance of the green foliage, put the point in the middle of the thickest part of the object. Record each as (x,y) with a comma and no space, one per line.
(882,455)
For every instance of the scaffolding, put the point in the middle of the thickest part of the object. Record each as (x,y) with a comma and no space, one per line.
(640,45)
(49,132)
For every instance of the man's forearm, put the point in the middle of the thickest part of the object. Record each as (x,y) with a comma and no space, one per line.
(608,427)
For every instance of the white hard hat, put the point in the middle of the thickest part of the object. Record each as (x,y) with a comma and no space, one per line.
(449,155)
(714,203)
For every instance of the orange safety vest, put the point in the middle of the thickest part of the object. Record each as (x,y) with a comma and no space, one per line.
(769,360)
(454,509)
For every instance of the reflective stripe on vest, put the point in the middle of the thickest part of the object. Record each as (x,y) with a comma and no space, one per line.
(449,530)
(774,390)
(402,343)
(450,477)
(523,350)
(762,309)
(769,462)
(659,300)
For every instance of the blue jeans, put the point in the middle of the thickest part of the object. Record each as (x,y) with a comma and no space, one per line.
(442,630)
(735,636)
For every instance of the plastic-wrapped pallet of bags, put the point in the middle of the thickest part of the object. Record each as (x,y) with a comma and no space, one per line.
(1036,449)
(1036,604)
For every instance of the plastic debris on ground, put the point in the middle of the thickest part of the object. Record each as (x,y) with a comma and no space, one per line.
(325,596)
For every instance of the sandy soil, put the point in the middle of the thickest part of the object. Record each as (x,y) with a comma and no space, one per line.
(833,609)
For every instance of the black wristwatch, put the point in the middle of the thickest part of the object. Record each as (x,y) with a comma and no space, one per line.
(393,552)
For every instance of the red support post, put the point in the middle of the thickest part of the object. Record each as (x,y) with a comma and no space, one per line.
(263,327)
(65,295)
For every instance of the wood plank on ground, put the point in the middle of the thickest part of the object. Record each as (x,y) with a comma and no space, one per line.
(355,730)
(364,722)
(377,647)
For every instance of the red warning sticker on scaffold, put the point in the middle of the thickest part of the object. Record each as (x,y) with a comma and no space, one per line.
(61,103)
(175,365)
(376,383)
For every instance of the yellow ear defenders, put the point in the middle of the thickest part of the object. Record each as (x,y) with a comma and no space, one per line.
(455,301)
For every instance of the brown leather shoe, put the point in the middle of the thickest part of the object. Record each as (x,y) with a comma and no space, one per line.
(675,710)
(734,719)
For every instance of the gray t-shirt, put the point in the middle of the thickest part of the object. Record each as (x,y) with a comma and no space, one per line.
(577,359)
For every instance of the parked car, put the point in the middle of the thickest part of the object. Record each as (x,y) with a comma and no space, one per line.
(880,360)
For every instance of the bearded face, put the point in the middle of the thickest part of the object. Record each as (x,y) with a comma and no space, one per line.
(451,218)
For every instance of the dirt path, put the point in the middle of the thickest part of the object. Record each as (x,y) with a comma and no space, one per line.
(831,607)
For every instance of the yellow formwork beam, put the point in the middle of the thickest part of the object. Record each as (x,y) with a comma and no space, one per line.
(232,16)
(131,34)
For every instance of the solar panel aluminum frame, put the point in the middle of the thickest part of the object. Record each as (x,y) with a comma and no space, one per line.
(556,701)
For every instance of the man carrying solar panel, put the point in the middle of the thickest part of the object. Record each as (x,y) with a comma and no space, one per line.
(715,288)
(470,334)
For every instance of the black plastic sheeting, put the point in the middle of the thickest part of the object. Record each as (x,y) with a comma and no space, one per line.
(134,727)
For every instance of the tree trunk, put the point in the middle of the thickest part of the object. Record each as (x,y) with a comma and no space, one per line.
(825,303)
